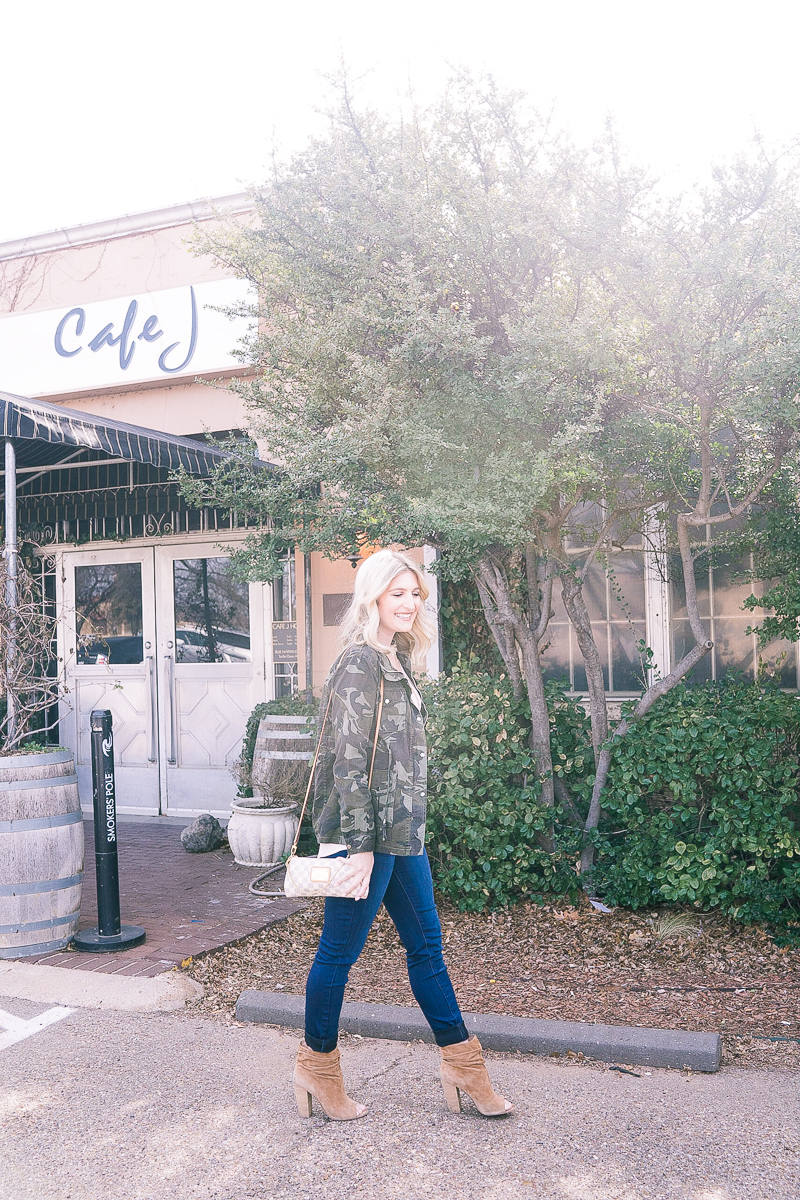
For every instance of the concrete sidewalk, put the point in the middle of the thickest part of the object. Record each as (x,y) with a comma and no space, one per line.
(118,1106)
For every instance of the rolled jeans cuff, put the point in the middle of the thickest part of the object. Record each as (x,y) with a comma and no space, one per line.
(449,1037)
(322,1046)
(444,1037)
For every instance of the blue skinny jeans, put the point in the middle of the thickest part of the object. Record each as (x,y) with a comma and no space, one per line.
(403,884)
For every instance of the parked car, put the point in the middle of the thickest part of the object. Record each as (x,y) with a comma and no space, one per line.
(111,651)
(191,645)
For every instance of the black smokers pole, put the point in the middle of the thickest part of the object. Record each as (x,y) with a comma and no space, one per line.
(109,934)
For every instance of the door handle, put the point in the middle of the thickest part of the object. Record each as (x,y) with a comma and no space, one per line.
(169,662)
(151,692)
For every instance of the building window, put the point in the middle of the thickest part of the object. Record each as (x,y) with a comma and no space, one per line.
(212,612)
(284,630)
(285,679)
(722,588)
(614,592)
(108,614)
(284,594)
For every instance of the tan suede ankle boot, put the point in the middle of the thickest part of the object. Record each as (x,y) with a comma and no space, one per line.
(320,1075)
(463,1070)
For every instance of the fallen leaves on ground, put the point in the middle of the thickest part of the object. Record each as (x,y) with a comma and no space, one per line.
(559,962)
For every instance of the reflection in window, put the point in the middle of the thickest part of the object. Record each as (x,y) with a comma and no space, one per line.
(615,600)
(284,607)
(212,612)
(285,679)
(722,588)
(108,614)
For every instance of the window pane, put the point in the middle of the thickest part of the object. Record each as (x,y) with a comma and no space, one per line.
(594,592)
(781,658)
(730,592)
(555,658)
(626,662)
(584,523)
(627,586)
(284,607)
(733,648)
(285,679)
(682,642)
(108,613)
(212,612)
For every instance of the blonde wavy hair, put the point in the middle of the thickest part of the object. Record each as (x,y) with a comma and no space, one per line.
(361,621)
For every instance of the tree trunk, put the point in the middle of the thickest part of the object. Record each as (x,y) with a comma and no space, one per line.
(515,639)
(540,732)
(502,631)
(574,603)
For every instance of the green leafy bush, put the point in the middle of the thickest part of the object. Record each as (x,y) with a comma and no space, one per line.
(465,634)
(485,820)
(703,805)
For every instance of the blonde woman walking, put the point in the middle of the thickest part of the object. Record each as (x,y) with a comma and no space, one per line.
(381,829)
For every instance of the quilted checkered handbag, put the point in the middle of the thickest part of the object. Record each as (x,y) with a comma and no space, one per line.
(310,875)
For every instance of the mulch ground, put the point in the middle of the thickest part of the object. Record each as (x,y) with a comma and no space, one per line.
(559,962)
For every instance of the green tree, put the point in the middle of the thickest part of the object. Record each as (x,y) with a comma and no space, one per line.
(711,293)
(472,334)
(435,355)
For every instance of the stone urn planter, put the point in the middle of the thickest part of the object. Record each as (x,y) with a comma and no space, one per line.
(259,835)
(261,830)
(41,852)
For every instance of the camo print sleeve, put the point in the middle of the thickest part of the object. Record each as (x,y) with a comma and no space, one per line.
(355,700)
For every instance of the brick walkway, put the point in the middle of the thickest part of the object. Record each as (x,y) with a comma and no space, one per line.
(187,903)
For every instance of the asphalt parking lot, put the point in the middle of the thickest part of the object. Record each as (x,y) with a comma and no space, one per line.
(103,1105)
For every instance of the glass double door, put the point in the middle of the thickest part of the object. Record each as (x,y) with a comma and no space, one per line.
(170,641)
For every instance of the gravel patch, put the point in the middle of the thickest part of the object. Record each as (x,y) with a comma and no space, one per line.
(557,962)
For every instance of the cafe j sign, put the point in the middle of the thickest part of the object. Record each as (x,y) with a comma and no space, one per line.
(166,335)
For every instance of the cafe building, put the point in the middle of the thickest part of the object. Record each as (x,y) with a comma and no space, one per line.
(114,359)
(114,356)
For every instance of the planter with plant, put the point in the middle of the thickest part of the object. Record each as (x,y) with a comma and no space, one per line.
(272,773)
(41,825)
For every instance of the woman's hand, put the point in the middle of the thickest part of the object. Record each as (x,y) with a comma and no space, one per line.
(356,875)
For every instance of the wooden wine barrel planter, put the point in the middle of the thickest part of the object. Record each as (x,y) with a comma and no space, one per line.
(282,758)
(41,852)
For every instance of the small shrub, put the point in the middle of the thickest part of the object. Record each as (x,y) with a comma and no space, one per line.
(703,805)
(485,818)
(465,634)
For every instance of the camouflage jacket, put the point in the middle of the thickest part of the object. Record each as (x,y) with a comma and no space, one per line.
(389,817)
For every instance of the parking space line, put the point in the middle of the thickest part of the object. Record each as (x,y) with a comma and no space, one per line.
(17,1029)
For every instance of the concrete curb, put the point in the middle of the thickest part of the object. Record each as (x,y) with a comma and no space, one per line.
(85,989)
(608,1043)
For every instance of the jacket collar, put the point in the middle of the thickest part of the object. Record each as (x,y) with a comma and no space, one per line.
(390,672)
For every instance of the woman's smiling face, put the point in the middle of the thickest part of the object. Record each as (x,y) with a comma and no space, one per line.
(398,606)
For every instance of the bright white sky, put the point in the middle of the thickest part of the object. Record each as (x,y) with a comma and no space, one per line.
(112,108)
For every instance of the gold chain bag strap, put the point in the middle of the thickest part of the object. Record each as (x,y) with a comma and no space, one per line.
(311,875)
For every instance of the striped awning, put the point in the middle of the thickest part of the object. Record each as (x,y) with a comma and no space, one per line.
(45,427)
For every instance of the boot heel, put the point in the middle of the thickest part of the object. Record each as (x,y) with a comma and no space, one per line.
(303,1099)
(453,1097)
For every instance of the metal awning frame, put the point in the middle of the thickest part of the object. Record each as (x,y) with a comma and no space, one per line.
(34,425)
